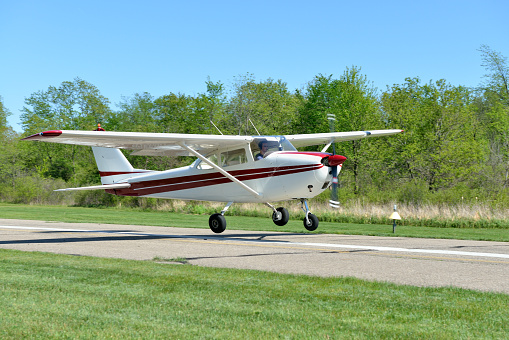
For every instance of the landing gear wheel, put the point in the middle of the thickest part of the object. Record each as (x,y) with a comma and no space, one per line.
(312,224)
(217,223)
(281,217)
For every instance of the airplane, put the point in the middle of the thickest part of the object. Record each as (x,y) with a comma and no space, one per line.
(226,168)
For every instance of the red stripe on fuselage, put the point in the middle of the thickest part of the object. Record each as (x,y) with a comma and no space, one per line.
(114,173)
(215,178)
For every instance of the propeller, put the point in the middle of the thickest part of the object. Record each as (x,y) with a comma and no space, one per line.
(334,161)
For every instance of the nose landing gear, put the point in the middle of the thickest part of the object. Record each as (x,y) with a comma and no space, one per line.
(310,220)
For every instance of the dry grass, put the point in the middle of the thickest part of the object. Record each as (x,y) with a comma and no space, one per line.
(428,211)
(476,211)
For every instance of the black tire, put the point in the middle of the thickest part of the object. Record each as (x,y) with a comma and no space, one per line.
(313,222)
(217,223)
(285,216)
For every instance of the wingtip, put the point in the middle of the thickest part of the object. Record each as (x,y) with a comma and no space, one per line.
(38,136)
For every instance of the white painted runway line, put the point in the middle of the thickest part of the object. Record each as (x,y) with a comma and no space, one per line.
(286,243)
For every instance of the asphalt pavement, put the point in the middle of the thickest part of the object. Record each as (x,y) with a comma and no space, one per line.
(478,265)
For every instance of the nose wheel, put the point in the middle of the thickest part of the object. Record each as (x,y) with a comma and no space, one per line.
(310,220)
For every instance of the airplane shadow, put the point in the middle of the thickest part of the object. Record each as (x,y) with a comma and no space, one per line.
(116,235)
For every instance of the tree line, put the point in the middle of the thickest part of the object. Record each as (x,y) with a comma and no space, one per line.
(455,145)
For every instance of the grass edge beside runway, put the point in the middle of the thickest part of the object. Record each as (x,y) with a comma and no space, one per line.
(61,296)
(161,218)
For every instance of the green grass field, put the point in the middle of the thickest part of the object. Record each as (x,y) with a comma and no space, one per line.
(60,297)
(161,218)
(67,297)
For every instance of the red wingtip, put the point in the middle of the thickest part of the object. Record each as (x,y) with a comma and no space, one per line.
(40,135)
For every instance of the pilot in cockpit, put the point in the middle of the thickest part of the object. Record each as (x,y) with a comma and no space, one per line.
(264,146)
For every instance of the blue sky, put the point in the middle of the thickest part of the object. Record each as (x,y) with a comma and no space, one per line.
(127,47)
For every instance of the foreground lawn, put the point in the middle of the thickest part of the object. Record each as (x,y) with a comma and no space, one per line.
(61,296)
(160,218)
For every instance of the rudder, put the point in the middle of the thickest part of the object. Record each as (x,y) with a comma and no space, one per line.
(113,165)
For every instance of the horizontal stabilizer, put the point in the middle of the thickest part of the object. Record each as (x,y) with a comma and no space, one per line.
(99,187)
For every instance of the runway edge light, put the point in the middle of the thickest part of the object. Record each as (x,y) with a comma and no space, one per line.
(394,216)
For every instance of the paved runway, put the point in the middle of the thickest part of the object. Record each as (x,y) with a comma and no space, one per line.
(476,265)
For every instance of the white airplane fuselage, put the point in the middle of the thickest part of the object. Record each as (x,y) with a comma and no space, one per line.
(282,175)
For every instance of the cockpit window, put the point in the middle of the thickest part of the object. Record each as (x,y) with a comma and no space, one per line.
(239,156)
(274,143)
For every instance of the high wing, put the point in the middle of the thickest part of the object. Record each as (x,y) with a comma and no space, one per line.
(147,144)
(332,137)
(178,144)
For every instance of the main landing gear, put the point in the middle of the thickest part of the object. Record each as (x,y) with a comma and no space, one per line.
(217,222)
(280,217)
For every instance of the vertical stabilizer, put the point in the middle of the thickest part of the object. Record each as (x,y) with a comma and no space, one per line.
(113,166)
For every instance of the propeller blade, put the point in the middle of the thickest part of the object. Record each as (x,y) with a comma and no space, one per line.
(334,161)
(333,202)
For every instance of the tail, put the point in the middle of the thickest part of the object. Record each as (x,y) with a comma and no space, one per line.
(113,166)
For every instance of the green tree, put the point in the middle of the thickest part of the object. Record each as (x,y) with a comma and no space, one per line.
(176,113)
(352,100)
(76,105)
(493,110)
(9,154)
(441,144)
(137,113)
(4,113)
(268,105)
(214,101)
(497,78)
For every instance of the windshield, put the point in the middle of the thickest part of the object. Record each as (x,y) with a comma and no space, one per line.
(274,143)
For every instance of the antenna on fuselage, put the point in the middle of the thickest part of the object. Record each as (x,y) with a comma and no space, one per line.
(216,127)
(254,127)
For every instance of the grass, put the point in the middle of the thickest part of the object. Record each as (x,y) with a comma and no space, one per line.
(61,296)
(163,218)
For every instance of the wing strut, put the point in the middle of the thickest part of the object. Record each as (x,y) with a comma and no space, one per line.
(221,170)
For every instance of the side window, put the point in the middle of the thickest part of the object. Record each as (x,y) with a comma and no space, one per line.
(202,165)
(227,158)
(233,157)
